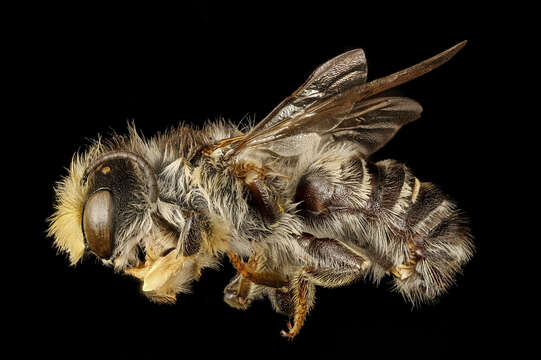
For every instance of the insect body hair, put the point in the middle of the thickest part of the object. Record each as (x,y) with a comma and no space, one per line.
(295,195)
(403,226)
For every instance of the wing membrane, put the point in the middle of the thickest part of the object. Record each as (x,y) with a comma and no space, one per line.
(337,103)
(370,123)
(333,77)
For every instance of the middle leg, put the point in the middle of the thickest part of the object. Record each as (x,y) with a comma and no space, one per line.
(252,281)
(250,272)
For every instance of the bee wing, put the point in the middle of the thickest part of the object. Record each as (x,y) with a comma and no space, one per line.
(370,123)
(333,77)
(336,102)
(373,122)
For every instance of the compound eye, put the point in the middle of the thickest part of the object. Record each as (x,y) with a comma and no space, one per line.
(98,223)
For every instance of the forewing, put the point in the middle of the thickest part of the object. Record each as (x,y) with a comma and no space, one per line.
(335,102)
(333,77)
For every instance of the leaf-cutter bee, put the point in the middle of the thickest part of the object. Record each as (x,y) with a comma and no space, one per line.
(294,202)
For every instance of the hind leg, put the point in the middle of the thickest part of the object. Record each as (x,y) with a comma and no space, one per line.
(332,265)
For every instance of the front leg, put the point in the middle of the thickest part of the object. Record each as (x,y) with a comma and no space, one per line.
(160,272)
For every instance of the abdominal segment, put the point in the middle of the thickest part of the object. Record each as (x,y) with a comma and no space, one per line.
(406,227)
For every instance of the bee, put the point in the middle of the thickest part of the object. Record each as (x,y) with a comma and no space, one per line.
(294,202)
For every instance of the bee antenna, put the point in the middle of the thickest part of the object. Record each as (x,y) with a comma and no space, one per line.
(151,181)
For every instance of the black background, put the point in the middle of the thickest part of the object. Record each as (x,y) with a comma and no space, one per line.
(86,71)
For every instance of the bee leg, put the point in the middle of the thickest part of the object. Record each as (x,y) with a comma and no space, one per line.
(302,295)
(336,264)
(240,291)
(265,278)
(281,300)
(264,200)
(191,235)
(237,292)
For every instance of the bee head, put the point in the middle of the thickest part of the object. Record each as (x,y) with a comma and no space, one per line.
(108,206)
(103,203)
(114,187)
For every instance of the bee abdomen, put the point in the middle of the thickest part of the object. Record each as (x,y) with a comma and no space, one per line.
(439,244)
(421,231)
(408,228)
